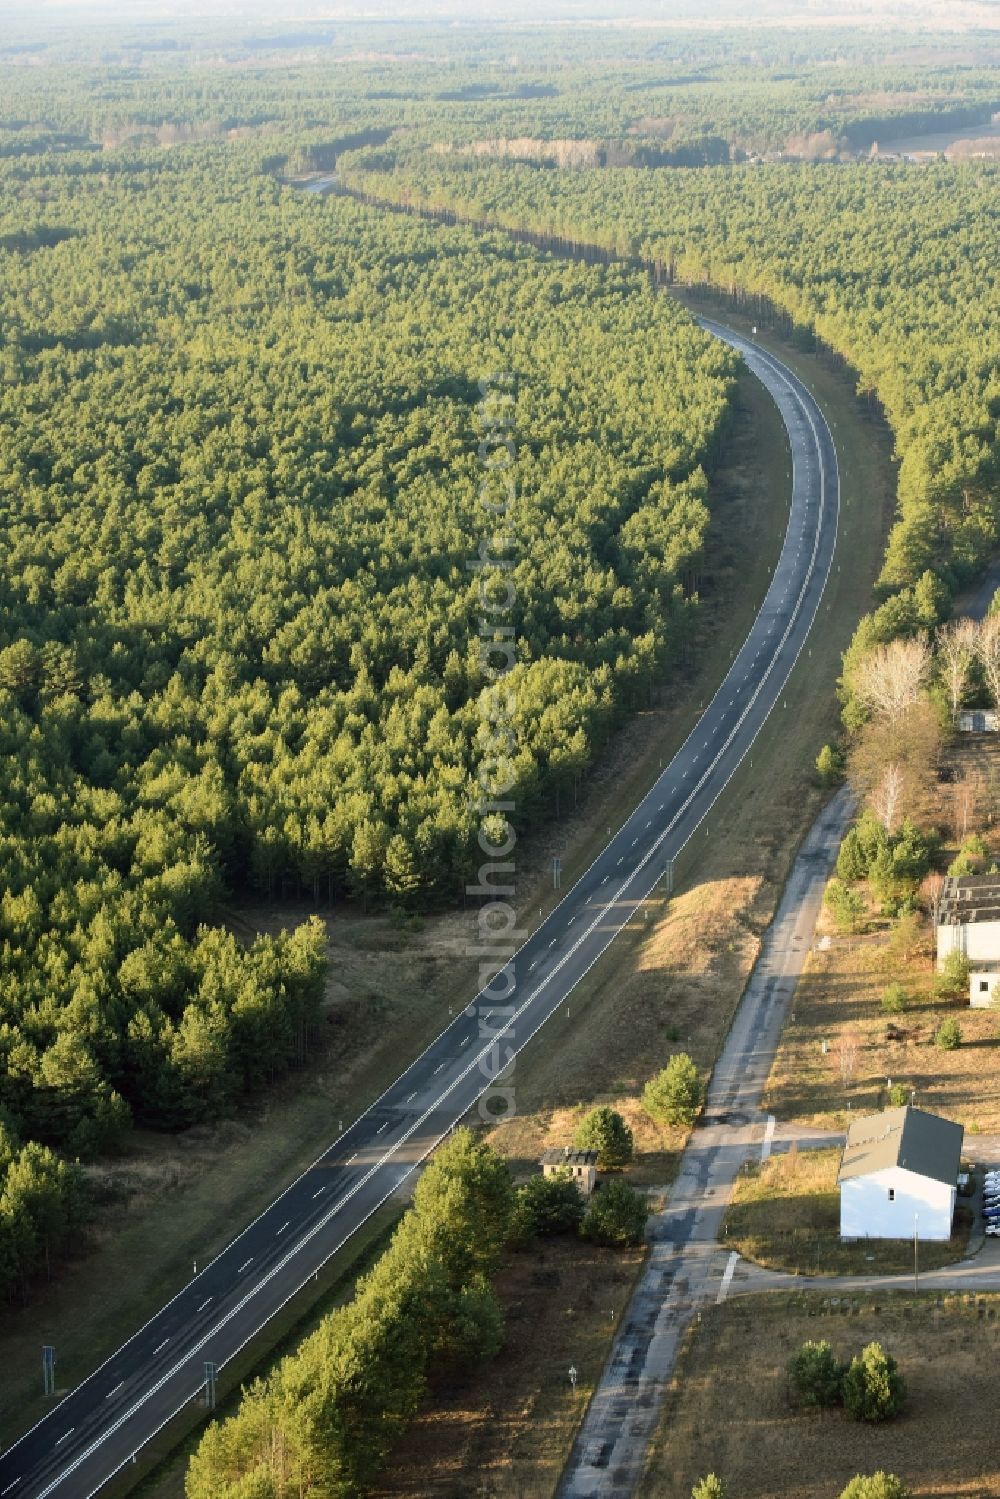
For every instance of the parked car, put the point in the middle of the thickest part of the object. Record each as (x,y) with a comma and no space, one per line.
(993,1229)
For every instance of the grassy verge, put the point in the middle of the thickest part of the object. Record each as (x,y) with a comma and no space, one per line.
(730,1412)
(785,1215)
(505,1429)
(839,1001)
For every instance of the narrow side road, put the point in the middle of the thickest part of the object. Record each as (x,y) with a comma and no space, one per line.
(686,1264)
(106,1419)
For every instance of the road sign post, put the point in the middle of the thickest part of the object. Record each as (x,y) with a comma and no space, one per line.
(572,1375)
(49,1369)
(557,874)
(210,1386)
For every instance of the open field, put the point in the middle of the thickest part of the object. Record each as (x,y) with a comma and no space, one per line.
(839,999)
(785,1215)
(504,1430)
(729,1409)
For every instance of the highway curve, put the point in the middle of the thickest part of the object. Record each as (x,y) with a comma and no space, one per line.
(92,1433)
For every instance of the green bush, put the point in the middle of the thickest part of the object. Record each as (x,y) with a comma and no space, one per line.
(546,1205)
(971,857)
(948,1035)
(873,1388)
(616,1215)
(830,766)
(894,1000)
(910,855)
(953,980)
(605,1131)
(845,904)
(860,847)
(900,1094)
(709,1487)
(677,1094)
(876,1486)
(817,1375)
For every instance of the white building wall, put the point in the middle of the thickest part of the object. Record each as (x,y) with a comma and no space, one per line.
(978,940)
(983,988)
(868,1212)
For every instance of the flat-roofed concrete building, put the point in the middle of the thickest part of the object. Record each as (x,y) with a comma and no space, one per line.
(967,919)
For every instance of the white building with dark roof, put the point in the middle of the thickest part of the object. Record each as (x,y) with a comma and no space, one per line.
(899,1175)
(967,919)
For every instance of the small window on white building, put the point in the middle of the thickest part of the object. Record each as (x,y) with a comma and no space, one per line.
(984,986)
(892,1194)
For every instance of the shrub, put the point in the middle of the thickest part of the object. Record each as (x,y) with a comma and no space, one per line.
(616,1215)
(971,857)
(953,980)
(948,1034)
(910,855)
(873,1388)
(546,1205)
(606,1132)
(830,766)
(676,1095)
(709,1487)
(845,904)
(899,1094)
(817,1375)
(894,1000)
(860,847)
(906,938)
(876,1486)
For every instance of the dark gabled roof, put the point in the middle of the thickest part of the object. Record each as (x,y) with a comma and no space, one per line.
(569,1158)
(910,1138)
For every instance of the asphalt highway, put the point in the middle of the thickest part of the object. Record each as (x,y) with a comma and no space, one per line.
(94,1431)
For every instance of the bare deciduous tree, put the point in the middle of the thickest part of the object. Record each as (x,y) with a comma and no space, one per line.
(988,644)
(887,796)
(930,889)
(890,679)
(914,746)
(957,648)
(967,796)
(846,1053)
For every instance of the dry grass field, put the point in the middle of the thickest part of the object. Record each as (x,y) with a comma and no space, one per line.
(503,1431)
(729,1409)
(785,1214)
(838,1002)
